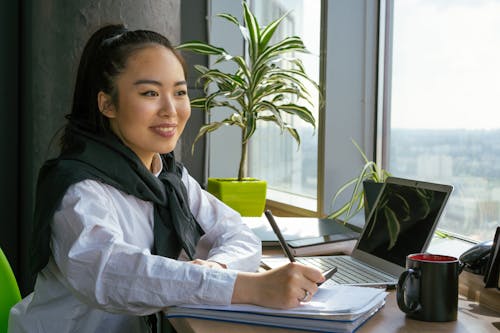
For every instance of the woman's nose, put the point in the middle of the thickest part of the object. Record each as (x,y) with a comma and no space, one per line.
(167,107)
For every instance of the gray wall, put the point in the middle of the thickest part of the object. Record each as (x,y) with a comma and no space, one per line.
(55,34)
(9,122)
(41,46)
(194,27)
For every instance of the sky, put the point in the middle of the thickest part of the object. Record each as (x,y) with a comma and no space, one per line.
(446,64)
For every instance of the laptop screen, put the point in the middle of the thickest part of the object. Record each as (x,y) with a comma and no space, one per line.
(403,219)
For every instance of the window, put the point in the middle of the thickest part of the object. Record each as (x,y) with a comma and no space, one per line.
(444,124)
(273,156)
(348,72)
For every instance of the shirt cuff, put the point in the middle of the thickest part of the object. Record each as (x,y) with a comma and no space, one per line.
(220,285)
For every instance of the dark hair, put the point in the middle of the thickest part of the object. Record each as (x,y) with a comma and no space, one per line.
(103,58)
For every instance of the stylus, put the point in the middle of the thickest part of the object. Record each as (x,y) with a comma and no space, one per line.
(278,233)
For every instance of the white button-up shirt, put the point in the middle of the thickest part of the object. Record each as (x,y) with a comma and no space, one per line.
(102,276)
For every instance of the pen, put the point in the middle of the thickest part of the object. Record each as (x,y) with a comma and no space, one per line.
(328,274)
(278,233)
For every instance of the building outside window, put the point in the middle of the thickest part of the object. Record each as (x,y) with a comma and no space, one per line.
(444,119)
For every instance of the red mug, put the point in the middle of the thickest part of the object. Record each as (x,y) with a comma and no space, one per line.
(428,289)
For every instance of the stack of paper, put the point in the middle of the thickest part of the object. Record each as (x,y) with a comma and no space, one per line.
(332,309)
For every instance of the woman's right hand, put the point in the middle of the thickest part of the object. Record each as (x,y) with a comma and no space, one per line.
(282,288)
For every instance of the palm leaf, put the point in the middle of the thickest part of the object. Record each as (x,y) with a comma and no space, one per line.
(268,32)
(230,18)
(342,188)
(202,48)
(275,111)
(300,111)
(204,130)
(251,125)
(289,44)
(253,32)
(293,132)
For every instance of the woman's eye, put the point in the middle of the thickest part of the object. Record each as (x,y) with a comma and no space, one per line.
(181,92)
(150,93)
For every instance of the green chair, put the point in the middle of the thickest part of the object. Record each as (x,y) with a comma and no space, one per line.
(9,291)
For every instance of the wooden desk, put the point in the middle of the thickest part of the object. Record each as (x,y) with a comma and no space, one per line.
(472,318)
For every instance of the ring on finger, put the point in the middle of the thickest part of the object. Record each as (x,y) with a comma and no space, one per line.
(306,296)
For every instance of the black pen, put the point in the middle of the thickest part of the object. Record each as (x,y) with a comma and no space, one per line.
(328,274)
(278,233)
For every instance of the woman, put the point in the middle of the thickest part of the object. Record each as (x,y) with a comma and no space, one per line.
(116,215)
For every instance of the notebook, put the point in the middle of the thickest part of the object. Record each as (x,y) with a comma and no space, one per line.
(402,221)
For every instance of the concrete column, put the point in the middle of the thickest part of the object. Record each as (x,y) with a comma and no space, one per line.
(53,35)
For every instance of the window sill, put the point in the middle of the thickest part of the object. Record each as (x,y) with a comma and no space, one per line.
(287,204)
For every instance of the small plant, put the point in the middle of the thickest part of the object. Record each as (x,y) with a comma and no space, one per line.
(266,86)
(370,172)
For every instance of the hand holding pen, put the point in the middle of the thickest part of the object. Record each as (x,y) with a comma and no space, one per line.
(328,274)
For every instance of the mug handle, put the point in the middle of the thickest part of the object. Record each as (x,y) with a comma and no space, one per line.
(412,297)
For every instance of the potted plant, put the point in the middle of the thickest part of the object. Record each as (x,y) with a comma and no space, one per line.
(267,85)
(366,187)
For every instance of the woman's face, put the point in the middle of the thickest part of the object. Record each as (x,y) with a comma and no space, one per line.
(153,105)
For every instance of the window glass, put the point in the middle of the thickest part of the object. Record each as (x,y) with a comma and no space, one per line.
(274,157)
(444,118)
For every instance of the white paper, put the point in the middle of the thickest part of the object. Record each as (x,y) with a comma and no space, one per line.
(329,300)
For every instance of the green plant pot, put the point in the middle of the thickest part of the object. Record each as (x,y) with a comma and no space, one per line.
(371,189)
(248,197)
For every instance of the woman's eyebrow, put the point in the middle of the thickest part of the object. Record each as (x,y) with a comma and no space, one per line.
(158,83)
(180,83)
(147,81)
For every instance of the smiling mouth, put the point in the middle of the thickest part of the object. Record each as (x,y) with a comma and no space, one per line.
(165,131)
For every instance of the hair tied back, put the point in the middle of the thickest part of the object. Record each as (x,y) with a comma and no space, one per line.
(108,41)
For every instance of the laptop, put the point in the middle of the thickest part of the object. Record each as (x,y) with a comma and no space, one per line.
(402,221)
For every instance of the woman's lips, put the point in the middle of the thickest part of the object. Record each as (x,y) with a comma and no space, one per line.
(165,131)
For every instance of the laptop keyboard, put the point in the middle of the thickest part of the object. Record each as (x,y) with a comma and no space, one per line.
(348,271)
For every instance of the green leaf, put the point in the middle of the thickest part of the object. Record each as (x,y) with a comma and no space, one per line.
(275,111)
(230,18)
(341,190)
(300,111)
(287,76)
(204,130)
(198,103)
(357,196)
(202,48)
(253,31)
(339,212)
(287,45)
(293,132)
(243,66)
(268,32)
(251,125)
